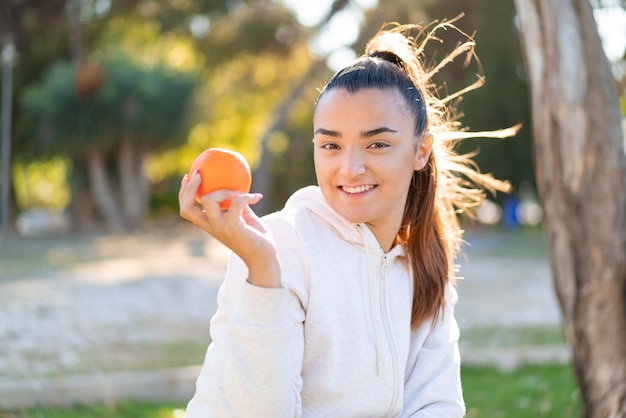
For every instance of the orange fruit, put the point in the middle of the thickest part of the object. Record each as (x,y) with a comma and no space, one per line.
(221,169)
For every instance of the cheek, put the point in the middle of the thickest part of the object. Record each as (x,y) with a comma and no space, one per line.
(322,161)
(320,166)
(404,165)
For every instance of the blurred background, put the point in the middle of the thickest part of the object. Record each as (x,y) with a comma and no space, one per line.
(111,100)
(106,103)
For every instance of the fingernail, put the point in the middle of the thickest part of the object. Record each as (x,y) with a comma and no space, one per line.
(185,177)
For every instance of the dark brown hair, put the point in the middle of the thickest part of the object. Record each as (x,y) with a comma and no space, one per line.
(450,183)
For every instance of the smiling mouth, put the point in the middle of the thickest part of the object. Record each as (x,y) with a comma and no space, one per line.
(357,189)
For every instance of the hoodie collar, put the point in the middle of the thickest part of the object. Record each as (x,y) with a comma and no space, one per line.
(312,199)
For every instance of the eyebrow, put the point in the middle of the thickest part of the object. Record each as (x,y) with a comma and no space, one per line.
(364,134)
(377,131)
(327,132)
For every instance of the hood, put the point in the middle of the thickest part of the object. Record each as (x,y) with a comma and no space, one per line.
(312,199)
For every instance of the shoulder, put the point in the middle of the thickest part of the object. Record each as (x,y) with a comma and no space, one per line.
(297,221)
(453,295)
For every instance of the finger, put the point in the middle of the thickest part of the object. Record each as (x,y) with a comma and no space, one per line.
(187,182)
(241,204)
(218,196)
(251,219)
(211,203)
(254,199)
(183,184)
(187,196)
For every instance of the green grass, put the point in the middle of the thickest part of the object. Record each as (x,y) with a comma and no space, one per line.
(541,391)
(498,336)
(24,255)
(533,391)
(121,410)
(147,356)
(143,356)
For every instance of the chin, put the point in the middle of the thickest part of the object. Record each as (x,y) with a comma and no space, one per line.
(354,218)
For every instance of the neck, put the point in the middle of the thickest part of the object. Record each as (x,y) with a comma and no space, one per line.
(387,238)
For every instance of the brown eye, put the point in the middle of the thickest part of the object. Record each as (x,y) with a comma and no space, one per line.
(378,145)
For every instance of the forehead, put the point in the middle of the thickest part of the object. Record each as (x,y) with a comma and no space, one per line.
(370,104)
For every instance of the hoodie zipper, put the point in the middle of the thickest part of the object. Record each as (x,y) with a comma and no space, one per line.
(388,332)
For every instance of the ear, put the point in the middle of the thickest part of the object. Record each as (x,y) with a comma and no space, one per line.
(424,148)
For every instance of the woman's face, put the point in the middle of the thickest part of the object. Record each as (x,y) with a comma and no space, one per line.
(365,154)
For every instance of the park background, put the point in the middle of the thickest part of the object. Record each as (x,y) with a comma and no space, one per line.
(111,101)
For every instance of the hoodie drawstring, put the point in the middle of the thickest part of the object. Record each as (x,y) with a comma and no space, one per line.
(379,360)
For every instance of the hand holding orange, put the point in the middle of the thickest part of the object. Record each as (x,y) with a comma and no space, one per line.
(221,169)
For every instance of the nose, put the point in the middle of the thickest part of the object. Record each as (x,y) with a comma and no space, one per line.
(352,163)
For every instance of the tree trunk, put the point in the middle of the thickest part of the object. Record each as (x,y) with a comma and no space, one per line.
(581,177)
(134,188)
(81,208)
(102,192)
(7,47)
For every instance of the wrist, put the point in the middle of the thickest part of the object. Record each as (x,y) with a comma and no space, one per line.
(264,273)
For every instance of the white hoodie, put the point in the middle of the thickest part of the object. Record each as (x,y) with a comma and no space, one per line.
(335,340)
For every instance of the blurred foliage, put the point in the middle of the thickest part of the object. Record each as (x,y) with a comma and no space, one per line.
(41,183)
(143,42)
(242,59)
(153,55)
(233,108)
(148,104)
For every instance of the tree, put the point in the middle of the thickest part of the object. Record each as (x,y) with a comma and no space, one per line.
(581,177)
(218,33)
(137,111)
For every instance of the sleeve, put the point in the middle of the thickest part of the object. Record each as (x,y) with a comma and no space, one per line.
(253,365)
(433,376)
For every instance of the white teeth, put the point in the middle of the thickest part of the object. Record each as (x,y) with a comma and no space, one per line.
(359,189)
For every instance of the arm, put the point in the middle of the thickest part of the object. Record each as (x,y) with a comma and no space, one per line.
(433,382)
(252,368)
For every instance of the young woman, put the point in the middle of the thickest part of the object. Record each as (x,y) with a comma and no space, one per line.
(342,303)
